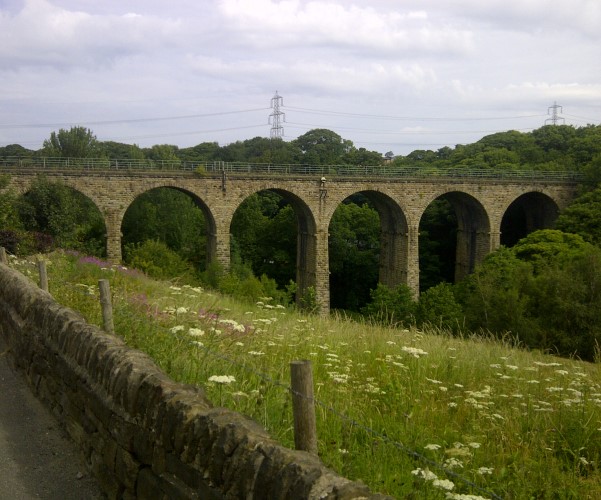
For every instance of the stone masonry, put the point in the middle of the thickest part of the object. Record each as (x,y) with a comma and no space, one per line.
(142,434)
(480,205)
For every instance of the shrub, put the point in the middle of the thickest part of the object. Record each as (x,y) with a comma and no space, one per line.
(437,306)
(157,260)
(391,306)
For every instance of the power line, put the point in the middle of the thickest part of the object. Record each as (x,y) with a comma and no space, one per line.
(408,118)
(129,120)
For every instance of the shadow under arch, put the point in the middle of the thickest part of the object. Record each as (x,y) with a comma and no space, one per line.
(306,240)
(527,213)
(169,205)
(473,231)
(393,240)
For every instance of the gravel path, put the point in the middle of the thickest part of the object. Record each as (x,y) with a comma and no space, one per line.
(37,460)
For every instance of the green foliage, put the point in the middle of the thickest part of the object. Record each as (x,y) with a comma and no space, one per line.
(243,285)
(583,216)
(322,147)
(391,306)
(67,215)
(170,216)
(121,151)
(165,152)
(15,150)
(548,246)
(354,251)
(266,218)
(437,244)
(566,300)
(494,296)
(9,218)
(545,291)
(437,306)
(77,142)
(157,260)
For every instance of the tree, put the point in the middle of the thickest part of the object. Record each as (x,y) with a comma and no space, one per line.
(583,217)
(362,156)
(437,306)
(8,214)
(119,150)
(548,245)
(65,214)
(322,147)
(391,306)
(354,248)
(170,217)
(77,142)
(15,150)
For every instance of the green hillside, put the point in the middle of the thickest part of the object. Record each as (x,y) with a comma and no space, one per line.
(415,414)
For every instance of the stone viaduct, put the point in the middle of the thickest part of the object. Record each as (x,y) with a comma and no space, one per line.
(480,203)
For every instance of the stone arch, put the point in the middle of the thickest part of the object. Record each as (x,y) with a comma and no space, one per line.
(211,243)
(394,233)
(473,231)
(527,213)
(306,243)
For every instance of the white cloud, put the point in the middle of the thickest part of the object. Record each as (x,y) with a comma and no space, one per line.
(269,23)
(42,34)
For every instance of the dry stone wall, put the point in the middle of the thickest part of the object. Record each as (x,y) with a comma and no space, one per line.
(142,434)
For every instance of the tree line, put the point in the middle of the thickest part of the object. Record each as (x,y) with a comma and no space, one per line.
(543,291)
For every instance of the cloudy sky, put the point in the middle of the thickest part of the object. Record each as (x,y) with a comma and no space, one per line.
(390,75)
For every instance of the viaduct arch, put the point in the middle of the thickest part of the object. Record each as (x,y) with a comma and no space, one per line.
(482,206)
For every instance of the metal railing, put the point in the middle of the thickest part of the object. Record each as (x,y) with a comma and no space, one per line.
(241,168)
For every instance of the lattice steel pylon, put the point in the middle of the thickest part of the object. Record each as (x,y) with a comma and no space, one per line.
(555,118)
(277,117)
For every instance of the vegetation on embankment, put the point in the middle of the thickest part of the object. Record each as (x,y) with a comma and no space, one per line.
(395,406)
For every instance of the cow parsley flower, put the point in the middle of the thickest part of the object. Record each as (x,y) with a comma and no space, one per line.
(222,379)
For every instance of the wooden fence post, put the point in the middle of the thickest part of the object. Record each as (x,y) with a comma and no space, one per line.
(107,306)
(43,274)
(3,257)
(303,406)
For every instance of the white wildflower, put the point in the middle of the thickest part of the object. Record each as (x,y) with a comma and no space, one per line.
(222,379)
(443,484)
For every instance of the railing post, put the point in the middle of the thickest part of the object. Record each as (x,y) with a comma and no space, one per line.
(303,406)
(43,274)
(3,257)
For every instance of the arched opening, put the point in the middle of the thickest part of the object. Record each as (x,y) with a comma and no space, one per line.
(273,233)
(527,213)
(56,215)
(454,237)
(367,245)
(174,217)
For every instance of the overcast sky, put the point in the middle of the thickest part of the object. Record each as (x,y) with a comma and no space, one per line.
(390,75)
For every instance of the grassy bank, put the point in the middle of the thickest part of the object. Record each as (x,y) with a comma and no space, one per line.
(395,407)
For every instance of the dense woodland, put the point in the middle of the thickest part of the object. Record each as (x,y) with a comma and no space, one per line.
(544,290)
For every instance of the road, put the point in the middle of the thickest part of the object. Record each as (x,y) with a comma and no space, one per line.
(37,460)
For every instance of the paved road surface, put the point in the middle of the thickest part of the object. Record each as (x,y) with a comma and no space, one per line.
(37,460)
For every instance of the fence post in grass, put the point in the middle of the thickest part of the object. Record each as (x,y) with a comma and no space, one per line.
(107,306)
(303,406)
(3,257)
(43,274)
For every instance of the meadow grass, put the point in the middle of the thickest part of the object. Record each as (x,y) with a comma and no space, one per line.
(414,414)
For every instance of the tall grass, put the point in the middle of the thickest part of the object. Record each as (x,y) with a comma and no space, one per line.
(411,413)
